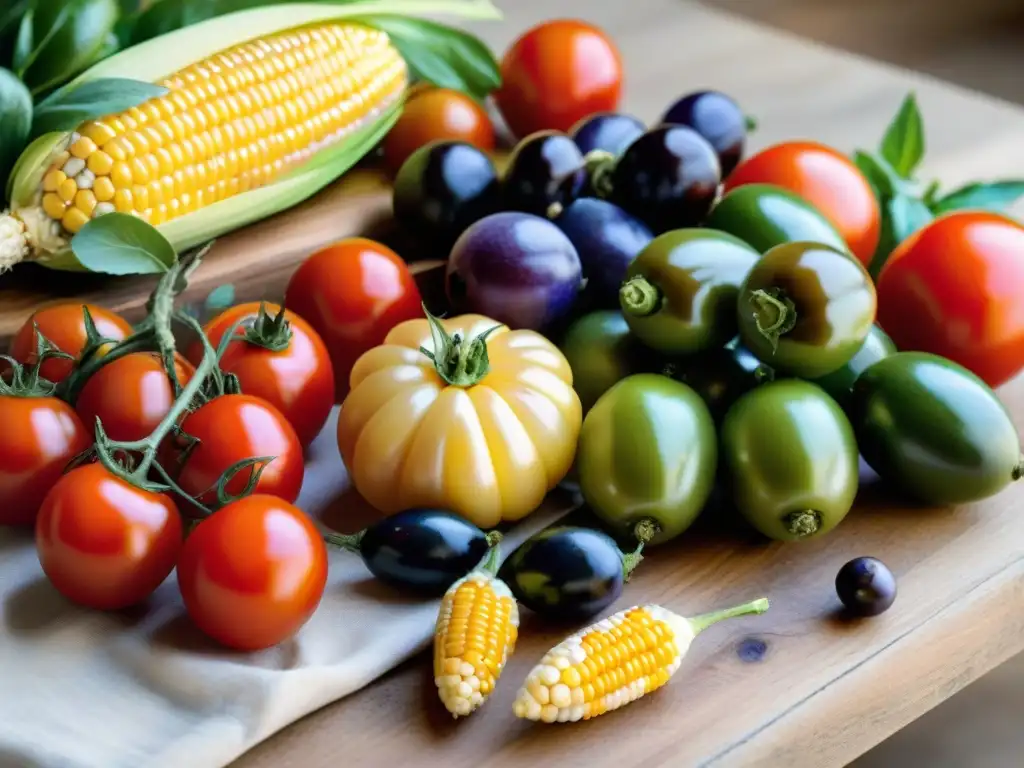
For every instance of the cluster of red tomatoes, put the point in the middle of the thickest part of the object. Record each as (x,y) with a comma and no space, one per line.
(254,572)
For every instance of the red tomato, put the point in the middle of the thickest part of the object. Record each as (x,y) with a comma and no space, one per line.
(131,395)
(298,380)
(64,326)
(232,428)
(557,73)
(437,114)
(353,293)
(253,573)
(954,289)
(38,437)
(103,542)
(824,177)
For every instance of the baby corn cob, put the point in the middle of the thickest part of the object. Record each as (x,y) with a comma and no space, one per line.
(476,631)
(613,662)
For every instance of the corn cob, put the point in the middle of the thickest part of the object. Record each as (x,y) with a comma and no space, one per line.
(476,631)
(252,97)
(613,662)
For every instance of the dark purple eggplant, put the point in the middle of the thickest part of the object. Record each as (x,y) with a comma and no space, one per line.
(716,117)
(609,132)
(516,268)
(545,174)
(607,240)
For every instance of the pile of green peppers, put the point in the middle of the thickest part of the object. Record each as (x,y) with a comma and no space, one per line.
(744,358)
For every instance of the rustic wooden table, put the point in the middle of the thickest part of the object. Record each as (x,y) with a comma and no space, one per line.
(798,686)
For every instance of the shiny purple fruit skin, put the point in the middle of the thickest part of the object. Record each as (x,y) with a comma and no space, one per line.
(516,268)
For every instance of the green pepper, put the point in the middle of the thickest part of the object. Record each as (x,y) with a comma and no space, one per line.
(679,296)
(721,376)
(647,454)
(805,309)
(933,429)
(790,460)
(839,383)
(765,216)
(601,352)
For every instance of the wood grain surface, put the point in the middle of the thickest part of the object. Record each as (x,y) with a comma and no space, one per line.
(799,686)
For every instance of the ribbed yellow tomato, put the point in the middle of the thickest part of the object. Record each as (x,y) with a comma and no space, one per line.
(462,414)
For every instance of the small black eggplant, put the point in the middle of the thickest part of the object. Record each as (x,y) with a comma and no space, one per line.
(422,550)
(568,573)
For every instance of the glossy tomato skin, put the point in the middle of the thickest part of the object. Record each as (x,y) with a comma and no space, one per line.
(38,437)
(252,574)
(437,114)
(64,325)
(130,395)
(231,428)
(828,180)
(352,293)
(104,543)
(556,74)
(954,289)
(297,380)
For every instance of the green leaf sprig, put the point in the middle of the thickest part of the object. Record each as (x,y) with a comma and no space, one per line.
(906,203)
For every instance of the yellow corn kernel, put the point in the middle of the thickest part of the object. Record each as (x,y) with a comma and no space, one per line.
(140,197)
(53,205)
(476,631)
(67,190)
(103,188)
(73,220)
(100,133)
(100,163)
(123,201)
(83,148)
(121,175)
(53,179)
(85,201)
(613,662)
(139,171)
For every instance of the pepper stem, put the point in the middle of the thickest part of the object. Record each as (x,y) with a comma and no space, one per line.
(803,523)
(644,531)
(639,297)
(774,314)
(491,561)
(458,361)
(705,620)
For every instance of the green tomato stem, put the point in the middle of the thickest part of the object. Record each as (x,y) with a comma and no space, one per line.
(25,381)
(639,297)
(272,333)
(705,620)
(774,314)
(459,362)
(803,523)
(350,542)
(643,531)
(599,165)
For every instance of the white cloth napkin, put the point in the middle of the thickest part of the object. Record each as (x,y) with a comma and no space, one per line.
(143,689)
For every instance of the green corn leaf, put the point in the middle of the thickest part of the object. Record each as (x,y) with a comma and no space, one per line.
(903,143)
(68,107)
(444,56)
(993,196)
(15,122)
(120,244)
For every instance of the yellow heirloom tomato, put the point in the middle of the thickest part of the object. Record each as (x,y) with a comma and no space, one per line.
(462,414)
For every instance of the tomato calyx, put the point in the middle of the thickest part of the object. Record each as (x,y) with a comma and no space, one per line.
(459,362)
(774,314)
(639,297)
(643,532)
(26,381)
(271,333)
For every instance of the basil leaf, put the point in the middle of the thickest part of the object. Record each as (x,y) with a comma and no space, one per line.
(221,297)
(15,122)
(994,196)
(903,143)
(10,25)
(66,108)
(442,55)
(883,177)
(120,244)
(163,17)
(23,44)
(902,216)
